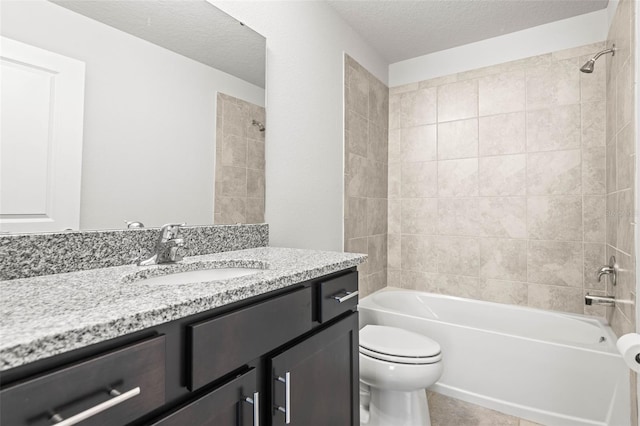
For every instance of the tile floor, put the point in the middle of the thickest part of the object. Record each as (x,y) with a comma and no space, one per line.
(446,411)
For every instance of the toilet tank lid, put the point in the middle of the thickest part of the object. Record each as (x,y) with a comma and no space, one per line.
(396,341)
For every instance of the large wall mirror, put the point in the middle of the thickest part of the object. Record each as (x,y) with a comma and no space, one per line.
(122,109)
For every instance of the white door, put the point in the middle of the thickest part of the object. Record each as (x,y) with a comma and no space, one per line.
(41,112)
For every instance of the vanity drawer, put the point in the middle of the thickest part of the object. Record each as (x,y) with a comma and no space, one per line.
(337,295)
(225,343)
(118,387)
(235,403)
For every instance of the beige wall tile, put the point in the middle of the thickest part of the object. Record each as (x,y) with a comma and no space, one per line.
(612,219)
(394,182)
(255,154)
(378,143)
(438,81)
(394,217)
(419,179)
(555,218)
(504,217)
(395,110)
(625,213)
(555,263)
(255,183)
(554,173)
(457,101)
(458,256)
(593,123)
(419,215)
(503,259)
(355,217)
(411,87)
(594,170)
(356,176)
(394,278)
(500,291)
(554,128)
(625,288)
(501,93)
(418,143)
(419,253)
(503,175)
(376,217)
(418,107)
(458,217)
(356,133)
(458,178)
(255,210)
(377,176)
(624,96)
(394,251)
(594,259)
(421,281)
(234,181)
(565,299)
(395,150)
(556,83)
(458,139)
(624,160)
(377,251)
(459,286)
(234,151)
(594,211)
(232,210)
(611,168)
(378,103)
(357,93)
(502,134)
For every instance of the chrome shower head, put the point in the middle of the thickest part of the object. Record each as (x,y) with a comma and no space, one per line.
(259,125)
(590,64)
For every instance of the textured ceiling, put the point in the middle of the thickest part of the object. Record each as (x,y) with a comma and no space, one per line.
(405,29)
(192,28)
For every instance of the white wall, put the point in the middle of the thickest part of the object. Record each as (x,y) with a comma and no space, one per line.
(306,42)
(567,33)
(149,128)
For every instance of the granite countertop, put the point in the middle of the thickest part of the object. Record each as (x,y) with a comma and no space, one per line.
(51,314)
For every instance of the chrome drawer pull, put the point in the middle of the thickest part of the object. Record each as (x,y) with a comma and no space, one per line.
(348,295)
(118,398)
(255,401)
(287,397)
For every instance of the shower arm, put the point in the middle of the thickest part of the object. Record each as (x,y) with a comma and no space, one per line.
(611,50)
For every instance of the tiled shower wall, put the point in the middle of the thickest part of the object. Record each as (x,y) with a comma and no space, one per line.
(497,183)
(239,175)
(621,158)
(366,130)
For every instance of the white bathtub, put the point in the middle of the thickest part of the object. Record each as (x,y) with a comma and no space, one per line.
(551,368)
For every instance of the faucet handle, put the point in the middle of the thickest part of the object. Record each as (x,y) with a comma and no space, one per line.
(170,230)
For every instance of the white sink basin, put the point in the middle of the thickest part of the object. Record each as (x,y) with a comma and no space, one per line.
(199,276)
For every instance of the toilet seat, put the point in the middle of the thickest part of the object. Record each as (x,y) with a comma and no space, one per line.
(398,346)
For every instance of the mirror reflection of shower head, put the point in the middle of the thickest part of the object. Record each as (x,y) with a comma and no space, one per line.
(589,65)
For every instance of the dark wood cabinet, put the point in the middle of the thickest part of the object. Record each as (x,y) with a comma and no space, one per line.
(315,383)
(231,404)
(216,368)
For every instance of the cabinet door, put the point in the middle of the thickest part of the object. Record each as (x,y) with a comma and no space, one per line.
(236,403)
(316,381)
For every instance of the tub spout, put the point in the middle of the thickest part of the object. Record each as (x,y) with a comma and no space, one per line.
(599,300)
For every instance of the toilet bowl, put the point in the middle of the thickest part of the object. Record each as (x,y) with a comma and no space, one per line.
(396,366)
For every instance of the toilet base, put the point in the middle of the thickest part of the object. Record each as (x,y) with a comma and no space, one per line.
(396,408)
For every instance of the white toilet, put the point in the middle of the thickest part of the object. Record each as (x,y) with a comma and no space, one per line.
(396,366)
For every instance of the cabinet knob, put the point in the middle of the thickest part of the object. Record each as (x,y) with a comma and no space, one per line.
(287,397)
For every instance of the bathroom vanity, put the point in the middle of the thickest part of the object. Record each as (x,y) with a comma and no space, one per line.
(276,347)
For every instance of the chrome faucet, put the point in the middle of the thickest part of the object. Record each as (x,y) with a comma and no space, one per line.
(167,246)
(610,269)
